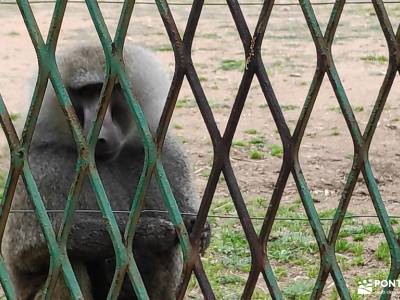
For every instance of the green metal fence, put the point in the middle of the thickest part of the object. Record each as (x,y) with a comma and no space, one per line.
(85,165)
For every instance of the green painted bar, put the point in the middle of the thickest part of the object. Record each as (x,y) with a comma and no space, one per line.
(150,149)
(55,254)
(9,189)
(361,145)
(173,210)
(269,276)
(6,283)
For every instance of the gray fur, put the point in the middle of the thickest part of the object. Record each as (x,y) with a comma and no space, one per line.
(52,159)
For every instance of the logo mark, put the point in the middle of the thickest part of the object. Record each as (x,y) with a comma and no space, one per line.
(365,287)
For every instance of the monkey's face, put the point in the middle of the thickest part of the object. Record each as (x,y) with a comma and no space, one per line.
(117,120)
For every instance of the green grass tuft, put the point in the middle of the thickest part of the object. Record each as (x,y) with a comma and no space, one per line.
(231,64)
(256,154)
(185,103)
(300,289)
(250,131)
(276,150)
(164,48)
(382,252)
(239,143)
(380,59)
(257,140)
(289,107)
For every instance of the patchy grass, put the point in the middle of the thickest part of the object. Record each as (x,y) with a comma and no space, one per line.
(239,143)
(185,103)
(217,105)
(342,246)
(203,79)
(382,252)
(360,232)
(256,154)
(182,139)
(349,156)
(292,250)
(289,107)
(372,229)
(256,146)
(231,64)
(276,150)
(250,131)
(358,108)
(3,176)
(257,140)
(335,109)
(211,36)
(300,289)
(228,258)
(15,116)
(163,48)
(335,131)
(333,295)
(380,59)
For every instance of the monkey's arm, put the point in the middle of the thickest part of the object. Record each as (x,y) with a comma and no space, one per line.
(152,232)
(155,233)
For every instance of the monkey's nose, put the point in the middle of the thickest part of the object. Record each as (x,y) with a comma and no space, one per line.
(104,150)
(101,141)
(101,146)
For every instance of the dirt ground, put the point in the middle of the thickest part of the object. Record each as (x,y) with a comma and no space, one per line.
(360,53)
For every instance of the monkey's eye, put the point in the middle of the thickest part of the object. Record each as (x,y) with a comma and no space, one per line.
(119,111)
(80,114)
(80,96)
(89,90)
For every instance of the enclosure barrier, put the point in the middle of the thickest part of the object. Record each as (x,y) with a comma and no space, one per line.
(85,165)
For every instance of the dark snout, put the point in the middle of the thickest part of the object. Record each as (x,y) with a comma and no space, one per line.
(109,141)
(107,148)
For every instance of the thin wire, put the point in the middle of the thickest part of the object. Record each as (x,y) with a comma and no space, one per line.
(190,4)
(218,216)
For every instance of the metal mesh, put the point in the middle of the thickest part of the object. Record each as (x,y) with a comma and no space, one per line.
(221,142)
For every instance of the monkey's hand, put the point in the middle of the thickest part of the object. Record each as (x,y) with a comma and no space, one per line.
(155,233)
(160,234)
(205,237)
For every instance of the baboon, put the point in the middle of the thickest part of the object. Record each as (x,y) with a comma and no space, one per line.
(119,156)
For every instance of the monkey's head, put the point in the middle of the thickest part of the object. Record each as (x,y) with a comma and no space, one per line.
(117,122)
(82,69)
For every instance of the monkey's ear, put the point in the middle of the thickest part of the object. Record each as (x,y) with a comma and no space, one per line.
(86,91)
